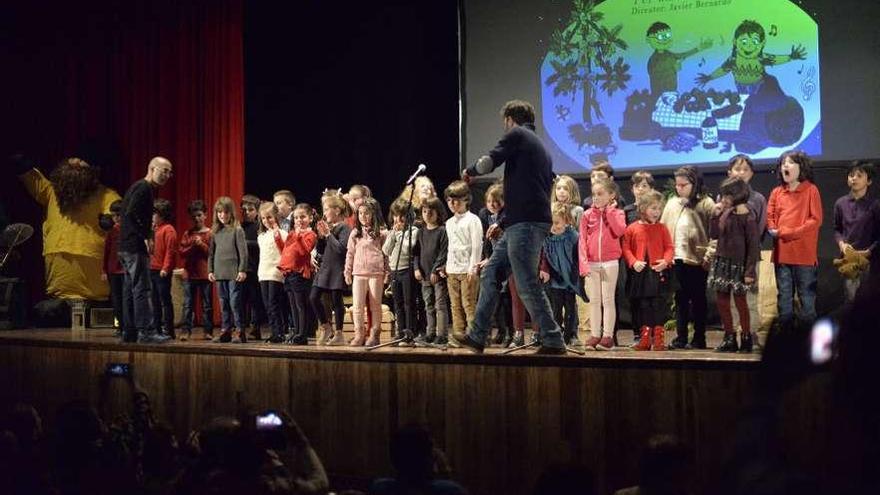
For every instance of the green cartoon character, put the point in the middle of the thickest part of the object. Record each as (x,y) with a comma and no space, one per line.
(663,66)
(748,59)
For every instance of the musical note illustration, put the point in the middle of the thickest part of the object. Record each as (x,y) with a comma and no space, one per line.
(801,70)
(808,84)
(702,61)
(773,30)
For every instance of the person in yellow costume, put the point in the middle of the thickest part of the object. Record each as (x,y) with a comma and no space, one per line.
(73,201)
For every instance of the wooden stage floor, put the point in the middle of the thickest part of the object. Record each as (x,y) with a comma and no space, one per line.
(499,418)
(623,355)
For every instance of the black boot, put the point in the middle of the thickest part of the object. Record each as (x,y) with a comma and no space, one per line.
(746,342)
(728,344)
(680,340)
(698,342)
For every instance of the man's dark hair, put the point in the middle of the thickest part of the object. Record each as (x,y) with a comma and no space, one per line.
(740,158)
(162,207)
(195,206)
(522,112)
(802,159)
(861,166)
(657,27)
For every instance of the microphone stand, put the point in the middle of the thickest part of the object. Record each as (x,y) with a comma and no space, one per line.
(535,343)
(406,237)
(407,337)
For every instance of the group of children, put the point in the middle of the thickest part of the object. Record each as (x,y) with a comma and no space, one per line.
(285,265)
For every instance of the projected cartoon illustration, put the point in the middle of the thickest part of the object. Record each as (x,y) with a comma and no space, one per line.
(650,83)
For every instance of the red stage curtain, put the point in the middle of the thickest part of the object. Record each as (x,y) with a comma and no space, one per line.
(131,80)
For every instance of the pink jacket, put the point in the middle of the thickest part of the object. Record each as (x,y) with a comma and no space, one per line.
(365,257)
(600,233)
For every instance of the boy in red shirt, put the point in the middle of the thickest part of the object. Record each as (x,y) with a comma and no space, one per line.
(194,253)
(162,262)
(794,215)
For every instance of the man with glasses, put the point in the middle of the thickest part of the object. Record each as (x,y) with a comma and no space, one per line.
(135,246)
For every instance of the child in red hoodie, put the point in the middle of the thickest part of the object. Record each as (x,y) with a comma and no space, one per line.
(602,226)
(162,263)
(296,266)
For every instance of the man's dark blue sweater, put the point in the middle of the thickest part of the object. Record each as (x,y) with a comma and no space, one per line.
(528,175)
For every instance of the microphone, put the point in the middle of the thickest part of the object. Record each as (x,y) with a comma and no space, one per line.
(420,170)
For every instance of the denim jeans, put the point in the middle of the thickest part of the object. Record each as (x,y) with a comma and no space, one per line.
(229,292)
(800,279)
(436,298)
(137,309)
(190,289)
(517,252)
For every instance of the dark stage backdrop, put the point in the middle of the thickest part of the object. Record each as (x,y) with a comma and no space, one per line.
(355,94)
(117,83)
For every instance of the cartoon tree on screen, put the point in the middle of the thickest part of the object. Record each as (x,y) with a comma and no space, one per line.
(585,61)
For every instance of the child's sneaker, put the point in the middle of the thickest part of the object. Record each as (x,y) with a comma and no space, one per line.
(606,344)
(591,343)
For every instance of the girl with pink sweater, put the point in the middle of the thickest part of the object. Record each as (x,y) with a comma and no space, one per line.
(366,269)
(599,252)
